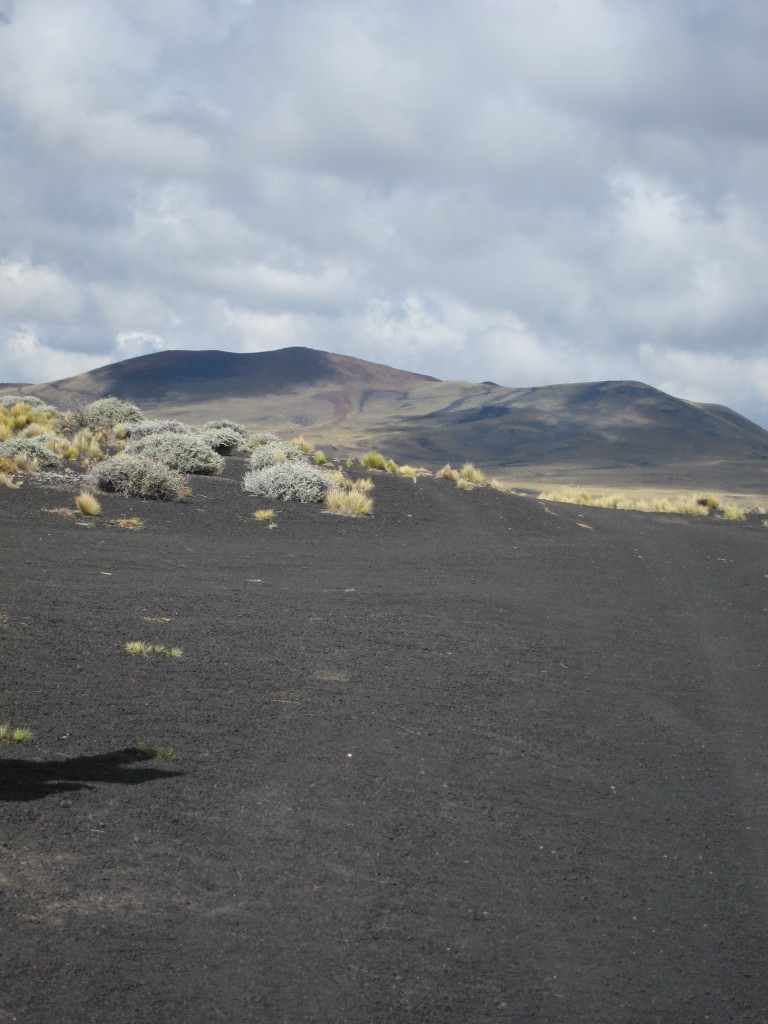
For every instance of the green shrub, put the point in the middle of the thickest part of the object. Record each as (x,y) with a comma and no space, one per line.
(274,453)
(137,477)
(30,448)
(288,481)
(187,453)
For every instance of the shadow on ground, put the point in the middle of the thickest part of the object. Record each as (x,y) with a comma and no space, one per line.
(34,780)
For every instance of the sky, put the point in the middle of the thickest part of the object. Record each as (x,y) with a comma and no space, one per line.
(525,191)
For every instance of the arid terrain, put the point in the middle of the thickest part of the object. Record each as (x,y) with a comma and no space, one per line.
(603,434)
(476,758)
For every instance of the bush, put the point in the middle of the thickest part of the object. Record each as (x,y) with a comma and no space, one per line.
(29,448)
(224,440)
(137,477)
(106,413)
(230,425)
(145,427)
(276,452)
(288,481)
(187,453)
(8,402)
(257,439)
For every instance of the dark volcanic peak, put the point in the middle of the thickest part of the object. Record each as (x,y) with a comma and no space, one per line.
(574,430)
(211,374)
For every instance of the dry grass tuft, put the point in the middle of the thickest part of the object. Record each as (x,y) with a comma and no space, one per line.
(343,502)
(6,480)
(263,515)
(374,460)
(734,513)
(144,649)
(11,735)
(88,504)
(156,753)
(472,475)
(133,523)
(446,473)
(303,445)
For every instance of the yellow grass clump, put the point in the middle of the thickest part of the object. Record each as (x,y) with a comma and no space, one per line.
(264,515)
(6,480)
(344,502)
(472,475)
(374,460)
(88,504)
(303,444)
(446,473)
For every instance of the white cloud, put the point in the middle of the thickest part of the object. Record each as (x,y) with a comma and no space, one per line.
(531,193)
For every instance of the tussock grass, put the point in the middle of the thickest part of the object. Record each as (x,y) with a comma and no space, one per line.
(156,753)
(264,515)
(373,460)
(345,502)
(464,485)
(734,513)
(141,647)
(88,504)
(303,445)
(125,523)
(321,459)
(472,475)
(688,505)
(10,735)
(6,480)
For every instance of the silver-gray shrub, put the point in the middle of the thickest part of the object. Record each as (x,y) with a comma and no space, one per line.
(8,402)
(145,427)
(105,413)
(230,424)
(288,481)
(137,477)
(275,452)
(187,453)
(223,440)
(30,448)
(257,439)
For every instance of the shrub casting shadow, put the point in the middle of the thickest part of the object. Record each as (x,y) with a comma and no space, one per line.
(33,780)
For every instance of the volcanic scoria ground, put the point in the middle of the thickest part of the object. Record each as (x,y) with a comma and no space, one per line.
(474,759)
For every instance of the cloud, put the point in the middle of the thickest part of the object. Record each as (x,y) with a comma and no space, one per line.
(531,193)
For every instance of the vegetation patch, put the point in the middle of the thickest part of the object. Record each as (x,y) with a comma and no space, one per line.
(141,647)
(374,460)
(264,515)
(345,502)
(134,523)
(148,753)
(138,477)
(88,504)
(186,453)
(10,735)
(275,453)
(288,481)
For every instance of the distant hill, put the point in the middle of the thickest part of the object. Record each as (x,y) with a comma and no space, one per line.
(607,433)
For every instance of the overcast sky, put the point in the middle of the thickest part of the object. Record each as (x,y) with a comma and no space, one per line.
(527,191)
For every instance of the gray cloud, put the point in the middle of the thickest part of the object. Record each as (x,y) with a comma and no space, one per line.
(531,193)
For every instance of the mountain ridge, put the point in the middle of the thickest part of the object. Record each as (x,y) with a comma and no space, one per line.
(597,430)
